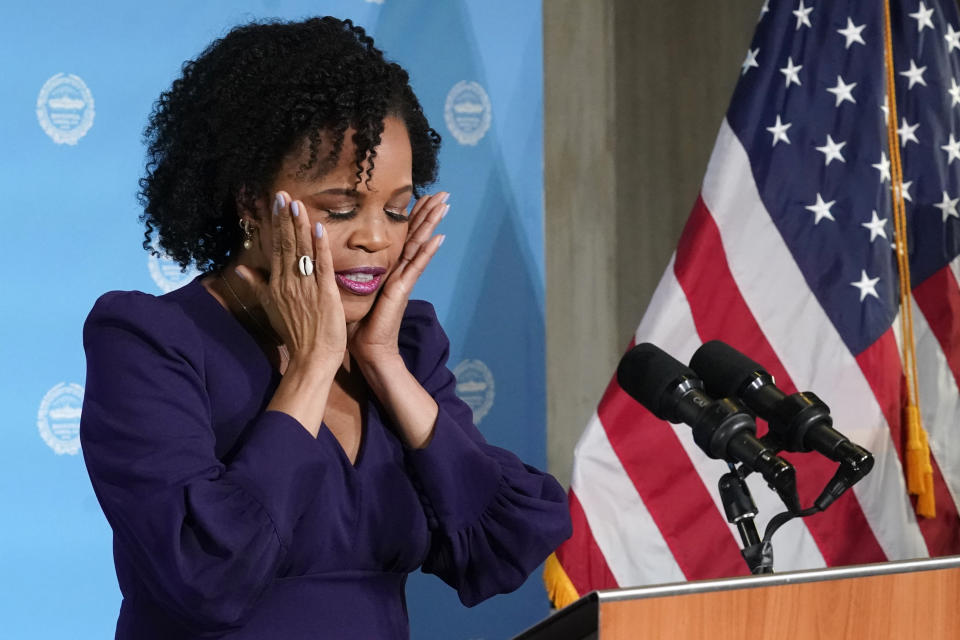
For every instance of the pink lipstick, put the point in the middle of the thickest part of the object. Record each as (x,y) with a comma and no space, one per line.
(361,281)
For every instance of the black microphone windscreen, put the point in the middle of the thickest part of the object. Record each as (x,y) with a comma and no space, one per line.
(722,368)
(646,372)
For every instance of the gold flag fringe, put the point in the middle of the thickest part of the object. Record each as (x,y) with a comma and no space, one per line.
(560,589)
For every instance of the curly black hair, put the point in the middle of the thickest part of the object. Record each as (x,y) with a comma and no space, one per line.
(217,138)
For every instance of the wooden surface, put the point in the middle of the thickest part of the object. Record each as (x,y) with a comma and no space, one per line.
(923,605)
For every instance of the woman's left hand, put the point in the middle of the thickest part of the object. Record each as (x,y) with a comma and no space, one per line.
(374,339)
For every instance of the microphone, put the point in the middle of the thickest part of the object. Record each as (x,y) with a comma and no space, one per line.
(799,422)
(721,428)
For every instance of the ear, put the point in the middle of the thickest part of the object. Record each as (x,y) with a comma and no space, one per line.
(253,208)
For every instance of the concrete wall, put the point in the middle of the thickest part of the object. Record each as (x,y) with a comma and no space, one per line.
(634,95)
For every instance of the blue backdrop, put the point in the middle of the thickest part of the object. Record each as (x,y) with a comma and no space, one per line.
(78,82)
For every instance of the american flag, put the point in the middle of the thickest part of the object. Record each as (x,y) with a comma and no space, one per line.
(787,256)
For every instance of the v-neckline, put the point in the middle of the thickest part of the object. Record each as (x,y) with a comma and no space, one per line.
(366,406)
(364,436)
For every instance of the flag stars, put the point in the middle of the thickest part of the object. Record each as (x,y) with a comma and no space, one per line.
(779,131)
(852,33)
(914,74)
(883,167)
(954,92)
(866,285)
(843,91)
(953,149)
(876,227)
(885,107)
(821,210)
(948,206)
(831,151)
(803,16)
(765,9)
(750,61)
(904,190)
(922,16)
(952,38)
(907,133)
(791,72)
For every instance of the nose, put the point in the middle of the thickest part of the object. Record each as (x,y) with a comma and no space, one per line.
(369,232)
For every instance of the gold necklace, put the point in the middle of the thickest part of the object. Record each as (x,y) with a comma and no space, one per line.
(264,333)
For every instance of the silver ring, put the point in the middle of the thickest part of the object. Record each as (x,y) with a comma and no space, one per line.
(306,265)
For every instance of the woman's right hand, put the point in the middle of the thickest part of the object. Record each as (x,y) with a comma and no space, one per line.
(305,311)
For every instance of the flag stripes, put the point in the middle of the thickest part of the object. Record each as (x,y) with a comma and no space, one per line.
(938,298)
(679,503)
(581,557)
(617,520)
(876,363)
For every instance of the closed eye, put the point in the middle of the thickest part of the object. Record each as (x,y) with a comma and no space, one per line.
(340,214)
(396,215)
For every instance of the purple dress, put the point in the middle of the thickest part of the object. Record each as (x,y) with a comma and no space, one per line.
(230,521)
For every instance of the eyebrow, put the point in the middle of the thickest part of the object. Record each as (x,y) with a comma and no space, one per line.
(353,193)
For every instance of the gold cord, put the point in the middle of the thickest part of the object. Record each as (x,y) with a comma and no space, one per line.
(918,466)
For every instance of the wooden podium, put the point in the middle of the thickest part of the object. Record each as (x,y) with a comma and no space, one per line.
(895,600)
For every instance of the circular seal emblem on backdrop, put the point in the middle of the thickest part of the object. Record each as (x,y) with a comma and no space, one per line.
(65,108)
(475,387)
(166,273)
(467,112)
(58,418)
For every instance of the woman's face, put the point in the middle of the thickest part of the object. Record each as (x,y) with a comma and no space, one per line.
(366,223)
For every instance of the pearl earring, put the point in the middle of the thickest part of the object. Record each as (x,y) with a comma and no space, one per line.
(248,229)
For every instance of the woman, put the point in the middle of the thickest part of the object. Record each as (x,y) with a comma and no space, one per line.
(278,444)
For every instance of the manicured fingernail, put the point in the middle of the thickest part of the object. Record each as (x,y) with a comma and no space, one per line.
(442,238)
(318,230)
(445,197)
(240,273)
(278,204)
(446,209)
(295,207)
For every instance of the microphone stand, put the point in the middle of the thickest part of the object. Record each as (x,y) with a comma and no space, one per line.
(740,510)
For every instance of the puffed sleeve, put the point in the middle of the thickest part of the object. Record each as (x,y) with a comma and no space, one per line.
(205,538)
(493,518)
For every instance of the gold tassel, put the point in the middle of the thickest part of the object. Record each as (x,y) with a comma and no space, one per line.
(926,506)
(919,468)
(560,589)
(915,452)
